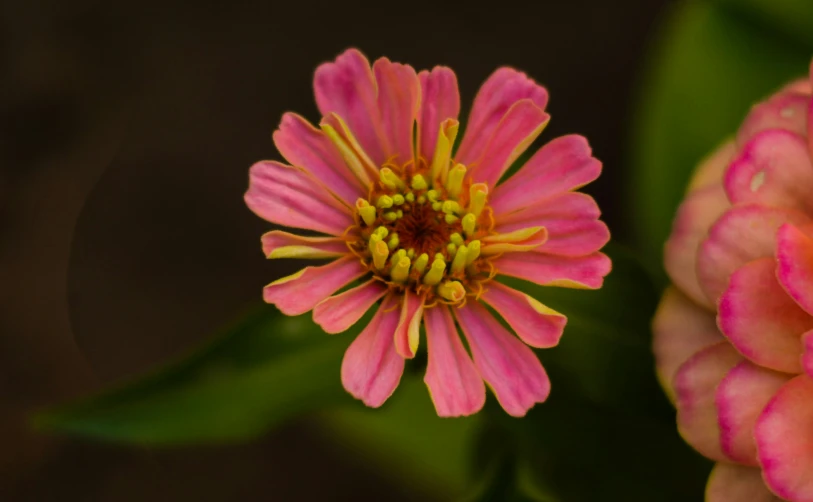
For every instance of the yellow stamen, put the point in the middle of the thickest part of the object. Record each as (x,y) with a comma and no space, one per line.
(410,197)
(459,262)
(473,252)
(393,242)
(450,207)
(398,199)
(399,213)
(421,199)
(432,195)
(454,185)
(366,211)
(419,183)
(435,273)
(391,216)
(411,253)
(452,248)
(374,240)
(469,224)
(452,291)
(421,263)
(400,272)
(477,202)
(450,219)
(456,238)
(384,202)
(380,253)
(382,232)
(390,180)
(437,205)
(443,150)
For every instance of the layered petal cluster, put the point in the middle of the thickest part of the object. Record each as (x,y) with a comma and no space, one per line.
(733,337)
(420,228)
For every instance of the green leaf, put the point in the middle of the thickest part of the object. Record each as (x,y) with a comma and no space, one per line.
(793,18)
(266,369)
(708,68)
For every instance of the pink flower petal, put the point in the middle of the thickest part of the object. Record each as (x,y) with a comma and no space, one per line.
(760,319)
(519,127)
(742,234)
(499,92)
(565,163)
(310,149)
(509,366)
(280,244)
(347,87)
(338,313)
(784,439)
(440,100)
(571,220)
(680,329)
(795,270)
(536,324)
(774,169)
(300,292)
(288,196)
(696,382)
(736,483)
(807,356)
(409,324)
(584,272)
(371,369)
(784,111)
(740,398)
(711,169)
(399,96)
(454,384)
(695,216)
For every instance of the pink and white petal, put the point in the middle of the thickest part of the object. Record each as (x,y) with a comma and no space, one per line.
(310,149)
(440,100)
(563,164)
(288,196)
(535,324)
(696,383)
(795,270)
(581,272)
(338,313)
(454,384)
(695,216)
(761,320)
(742,234)
(280,244)
(347,87)
(510,367)
(785,441)
(680,329)
(399,99)
(787,110)
(740,398)
(773,169)
(519,127)
(736,483)
(711,169)
(571,220)
(371,368)
(499,92)
(300,292)
(407,332)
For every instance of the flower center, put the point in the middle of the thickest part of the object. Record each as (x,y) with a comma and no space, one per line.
(422,232)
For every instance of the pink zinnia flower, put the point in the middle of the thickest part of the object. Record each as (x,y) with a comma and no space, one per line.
(427,230)
(733,339)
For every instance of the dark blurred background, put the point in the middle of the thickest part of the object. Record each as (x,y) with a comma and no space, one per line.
(126,132)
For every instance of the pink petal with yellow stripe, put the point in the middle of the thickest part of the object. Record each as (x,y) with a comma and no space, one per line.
(536,324)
